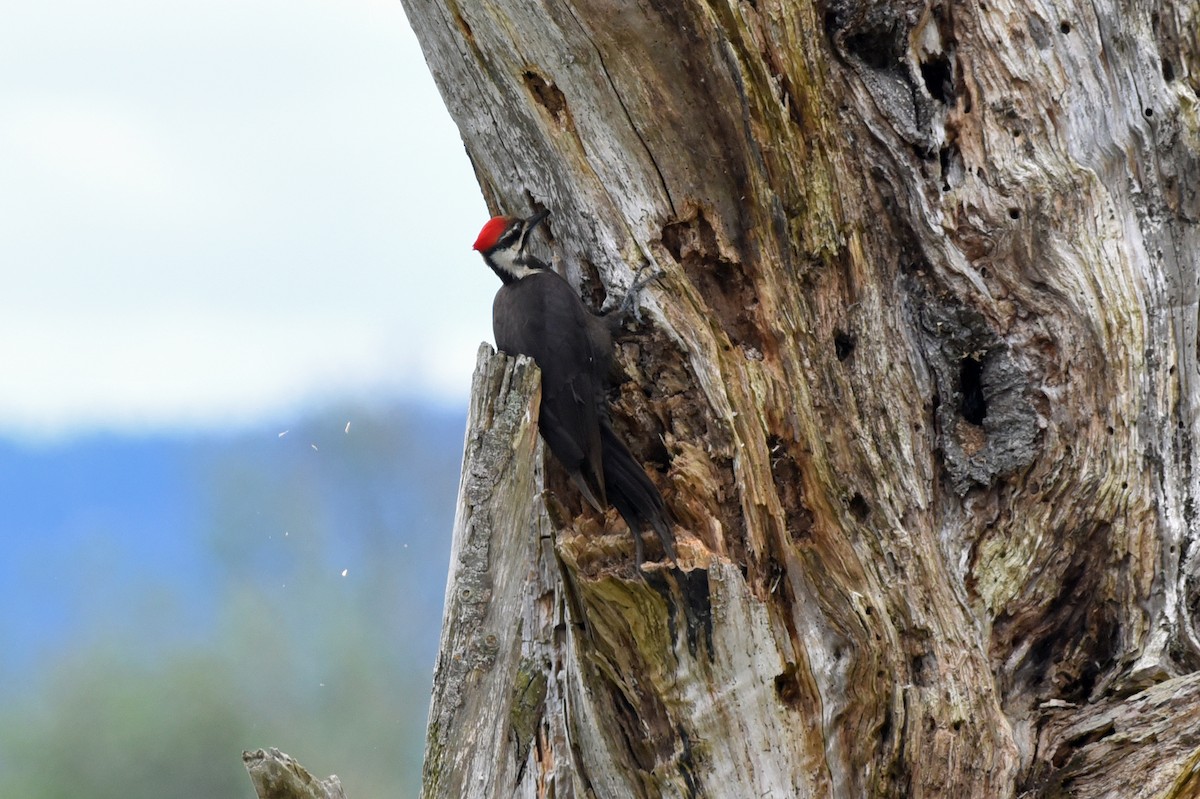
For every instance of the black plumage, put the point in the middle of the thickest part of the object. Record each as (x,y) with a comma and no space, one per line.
(537,313)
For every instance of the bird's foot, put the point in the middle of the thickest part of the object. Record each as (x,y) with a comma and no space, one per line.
(629,305)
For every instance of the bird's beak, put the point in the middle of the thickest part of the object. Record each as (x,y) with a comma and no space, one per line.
(529,224)
(536,220)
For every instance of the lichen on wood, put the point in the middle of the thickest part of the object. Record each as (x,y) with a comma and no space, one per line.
(276,775)
(496,538)
(919,384)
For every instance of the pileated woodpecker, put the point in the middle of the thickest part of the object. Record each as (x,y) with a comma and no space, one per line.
(537,313)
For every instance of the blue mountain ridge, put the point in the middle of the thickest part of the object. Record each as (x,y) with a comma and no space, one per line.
(142,538)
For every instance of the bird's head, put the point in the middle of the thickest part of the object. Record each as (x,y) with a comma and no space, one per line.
(502,244)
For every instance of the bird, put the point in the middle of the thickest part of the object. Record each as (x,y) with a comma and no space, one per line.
(536,313)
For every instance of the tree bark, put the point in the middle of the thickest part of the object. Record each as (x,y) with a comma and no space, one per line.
(276,775)
(487,694)
(919,384)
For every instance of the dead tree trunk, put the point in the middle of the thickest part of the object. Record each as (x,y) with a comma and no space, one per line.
(920,385)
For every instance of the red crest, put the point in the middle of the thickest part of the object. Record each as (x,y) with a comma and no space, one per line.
(491,233)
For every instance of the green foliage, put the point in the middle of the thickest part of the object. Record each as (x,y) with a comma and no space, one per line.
(333,669)
(100,729)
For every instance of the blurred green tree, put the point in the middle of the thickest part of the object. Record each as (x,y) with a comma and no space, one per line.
(334,668)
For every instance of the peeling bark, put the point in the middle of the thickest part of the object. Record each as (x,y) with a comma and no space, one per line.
(919,384)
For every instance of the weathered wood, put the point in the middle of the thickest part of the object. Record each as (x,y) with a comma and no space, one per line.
(275,775)
(1143,745)
(919,383)
(481,687)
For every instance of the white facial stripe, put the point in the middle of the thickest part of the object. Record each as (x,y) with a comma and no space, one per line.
(507,261)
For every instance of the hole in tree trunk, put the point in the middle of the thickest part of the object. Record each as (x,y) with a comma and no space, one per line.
(970,379)
(843,344)
(859,507)
(939,79)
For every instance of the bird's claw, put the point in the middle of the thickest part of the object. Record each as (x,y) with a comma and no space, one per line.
(629,303)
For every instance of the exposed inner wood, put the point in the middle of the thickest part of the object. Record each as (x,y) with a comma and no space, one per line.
(919,384)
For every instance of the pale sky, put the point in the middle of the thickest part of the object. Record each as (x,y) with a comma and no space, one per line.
(214,212)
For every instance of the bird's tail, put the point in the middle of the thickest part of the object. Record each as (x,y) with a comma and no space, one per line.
(582,482)
(635,497)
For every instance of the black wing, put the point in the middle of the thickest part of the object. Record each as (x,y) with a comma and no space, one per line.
(542,317)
